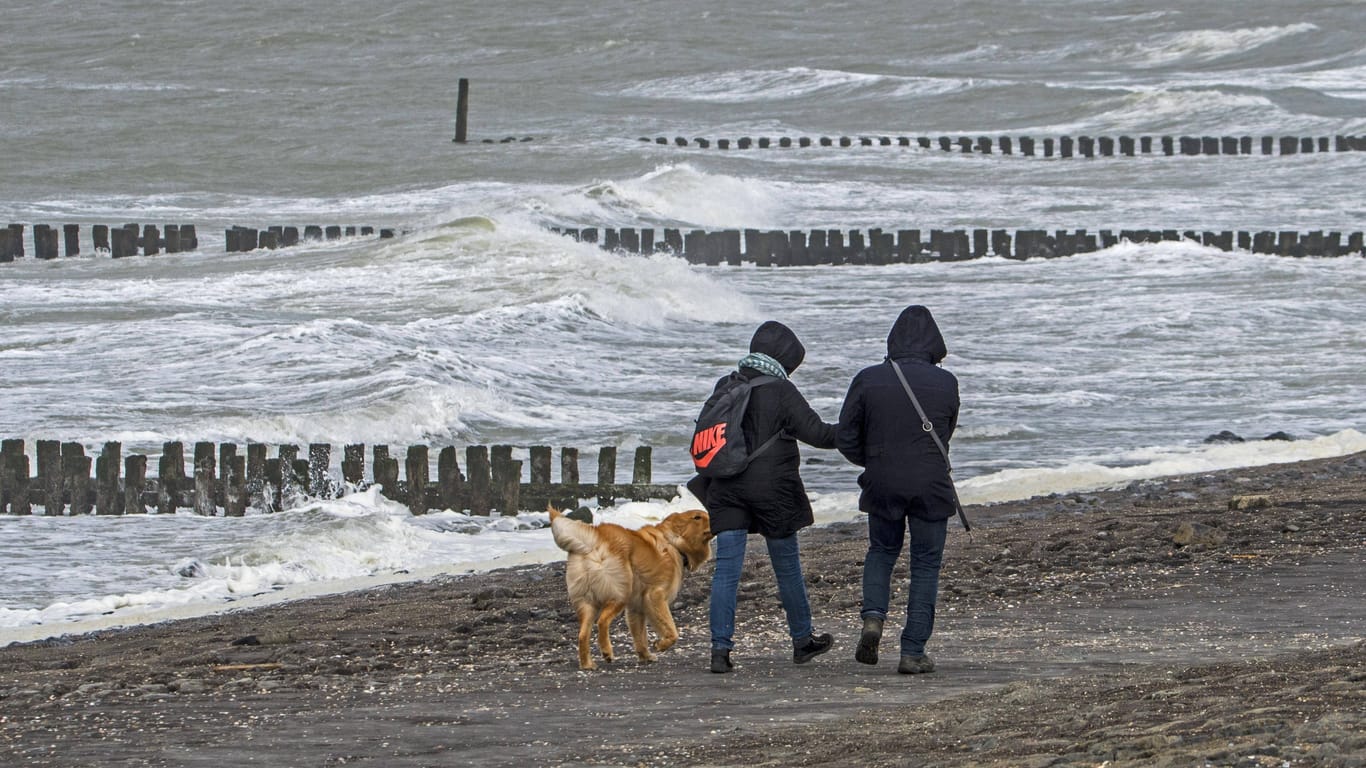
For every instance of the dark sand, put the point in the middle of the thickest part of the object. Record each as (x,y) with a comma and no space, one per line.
(1147,626)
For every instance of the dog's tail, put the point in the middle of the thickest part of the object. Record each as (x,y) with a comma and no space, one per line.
(570,535)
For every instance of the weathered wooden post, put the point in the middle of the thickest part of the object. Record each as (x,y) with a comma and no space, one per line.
(569,478)
(462,107)
(257,493)
(204,479)
(44,245)
(319,461)
(415,468)
(695,246)
(274,481)
(226,453)
(856,253)
(507,477)
(108,501)
(384,470)
(480,477)
(76,469)
(797,253)
(640,469)
(607,476)
(450,483)
(353,464)
(673,241)
(235,485)
(134,483)
(6,246)
(151,240)
(1000,243)
(71,235)
(13,475)
(50,476)
(6,484)
(569,466)
(123,244)
(540,465)
(17,240)
(171,238)
(291,483)
(99,237)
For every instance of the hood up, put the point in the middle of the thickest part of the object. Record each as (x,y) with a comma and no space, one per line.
(915,336)
(780,343)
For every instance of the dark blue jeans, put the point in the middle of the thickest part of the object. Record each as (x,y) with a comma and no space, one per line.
(885,538)
(725,585)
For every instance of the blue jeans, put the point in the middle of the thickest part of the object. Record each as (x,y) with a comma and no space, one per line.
(725,585)
(885,538)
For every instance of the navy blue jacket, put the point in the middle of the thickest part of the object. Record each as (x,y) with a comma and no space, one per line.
(769,497)
(903,471)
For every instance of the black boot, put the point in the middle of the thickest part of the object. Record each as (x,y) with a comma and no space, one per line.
(915,665)
(720,661)
(868,641)
(812,647)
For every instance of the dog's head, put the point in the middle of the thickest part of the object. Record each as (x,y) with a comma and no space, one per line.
(690,533)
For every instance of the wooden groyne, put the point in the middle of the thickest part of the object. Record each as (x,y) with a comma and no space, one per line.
(120,241)
(219,477)
(241,239)
(896,246)
(1050,146)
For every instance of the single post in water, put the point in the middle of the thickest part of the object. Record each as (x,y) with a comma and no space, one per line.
(462,107)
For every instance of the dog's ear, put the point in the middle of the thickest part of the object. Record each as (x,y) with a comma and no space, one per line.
(554,513)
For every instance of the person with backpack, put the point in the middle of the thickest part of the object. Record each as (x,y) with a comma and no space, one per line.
(751,424)
(896,423)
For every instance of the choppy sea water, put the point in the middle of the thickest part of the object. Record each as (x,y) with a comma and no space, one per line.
(477,325)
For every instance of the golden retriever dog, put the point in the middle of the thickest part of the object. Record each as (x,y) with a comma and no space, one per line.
(613,569)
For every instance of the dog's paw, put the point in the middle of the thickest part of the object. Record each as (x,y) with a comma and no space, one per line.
(589,667)
(646,656)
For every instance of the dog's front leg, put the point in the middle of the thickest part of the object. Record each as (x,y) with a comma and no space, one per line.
(636,621)
(657,610)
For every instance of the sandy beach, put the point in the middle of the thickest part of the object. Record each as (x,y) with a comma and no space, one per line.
(1210,619)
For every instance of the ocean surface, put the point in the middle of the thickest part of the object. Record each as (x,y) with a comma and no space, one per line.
(477,325)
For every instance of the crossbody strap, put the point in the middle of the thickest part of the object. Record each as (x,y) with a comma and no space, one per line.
(926,425)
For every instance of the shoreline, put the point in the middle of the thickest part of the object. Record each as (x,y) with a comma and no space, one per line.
(975,493)
(1123,613)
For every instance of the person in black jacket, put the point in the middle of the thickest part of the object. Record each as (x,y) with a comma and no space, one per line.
(768,497)
(905,482)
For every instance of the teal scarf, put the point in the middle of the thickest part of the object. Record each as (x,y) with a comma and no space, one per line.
(763,364)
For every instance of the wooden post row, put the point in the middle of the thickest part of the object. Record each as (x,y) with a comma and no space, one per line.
(220,478)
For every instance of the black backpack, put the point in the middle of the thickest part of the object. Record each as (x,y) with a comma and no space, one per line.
(718,441)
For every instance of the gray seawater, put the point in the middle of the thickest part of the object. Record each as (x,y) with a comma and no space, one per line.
(477,325)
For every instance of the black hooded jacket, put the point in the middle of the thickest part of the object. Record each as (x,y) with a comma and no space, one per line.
(879,430)
(768,497)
